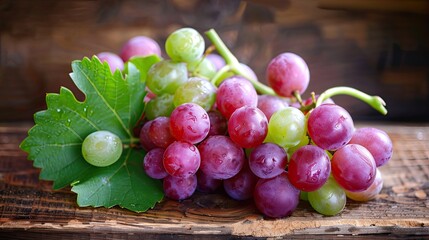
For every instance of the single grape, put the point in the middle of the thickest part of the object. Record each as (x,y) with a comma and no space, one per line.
(159,132)
(248,127)
(370,193)
(102,148)
(309,168)
(376,141)
(196,90)
(221,158)
(202,68)
(207,184)
(286,127)
(181,159)
(189,122)
(249,71)
(166,76)
(179,188)
(185,45)
(153,164)
(276,197)
(233,93)
(330,126)
(145,140)
(328,200)
(158,106)
(268,160)
(353,167)
(114,61)
(270,104)
(216,60)
(287,73)
(218,123)
(242,185)
(139,46)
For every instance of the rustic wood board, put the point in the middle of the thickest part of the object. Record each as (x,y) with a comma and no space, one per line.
(30,208)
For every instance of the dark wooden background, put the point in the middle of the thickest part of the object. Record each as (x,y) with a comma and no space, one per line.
(381,47)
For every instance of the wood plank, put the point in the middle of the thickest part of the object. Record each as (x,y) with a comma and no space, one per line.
(29,207)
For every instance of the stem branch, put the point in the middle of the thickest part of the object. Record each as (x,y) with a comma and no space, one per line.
(233,64)
(374,101)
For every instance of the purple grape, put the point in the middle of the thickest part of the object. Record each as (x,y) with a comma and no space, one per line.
(113,60)
(153,164)
(217,60)
(233,93)
(268,160)
(218,124)
(330,126)
(353,167)
(221,158)
(207,184)
(276,197)
(181,159)
(248,127)
(159,132)
(145,140)
(376,141)
(288,73)
(189,122)
(309,168)
(139,46)
(179,188)
(242,185)
(270,104)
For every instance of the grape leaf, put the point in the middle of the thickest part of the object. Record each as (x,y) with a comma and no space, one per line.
(111,103)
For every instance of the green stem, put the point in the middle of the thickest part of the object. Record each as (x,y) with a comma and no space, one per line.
(374,101)
(233,64)
(218,76)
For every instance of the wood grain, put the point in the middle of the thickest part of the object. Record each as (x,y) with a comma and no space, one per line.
(30,208)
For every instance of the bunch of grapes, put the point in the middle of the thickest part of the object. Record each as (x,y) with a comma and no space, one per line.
(209,124)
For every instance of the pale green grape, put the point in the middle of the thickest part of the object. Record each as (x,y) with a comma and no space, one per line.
(102,148)
(286,127)
(166,76)
(161,105)
(329,200)
(202,68)
(185,45)
(196,90)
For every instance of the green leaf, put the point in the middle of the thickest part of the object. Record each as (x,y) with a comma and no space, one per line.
(111,103)
(123,182)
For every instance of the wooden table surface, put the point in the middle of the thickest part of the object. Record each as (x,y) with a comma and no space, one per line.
(30,209)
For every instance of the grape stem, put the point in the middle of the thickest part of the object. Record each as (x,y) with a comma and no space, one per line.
(232,64)
(374,101)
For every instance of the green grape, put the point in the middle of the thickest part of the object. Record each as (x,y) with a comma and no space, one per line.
(305,140)
(329,200)
(101,148)
(286,127)
(166,76)
(161,105)
(185,45)
(202,68)
(196,90)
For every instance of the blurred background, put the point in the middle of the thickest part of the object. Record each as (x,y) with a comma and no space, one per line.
(378,46)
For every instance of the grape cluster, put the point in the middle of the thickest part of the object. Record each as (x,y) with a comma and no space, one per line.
(207,127)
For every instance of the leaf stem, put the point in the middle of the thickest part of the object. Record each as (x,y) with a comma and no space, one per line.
(233,64)
(374,101)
